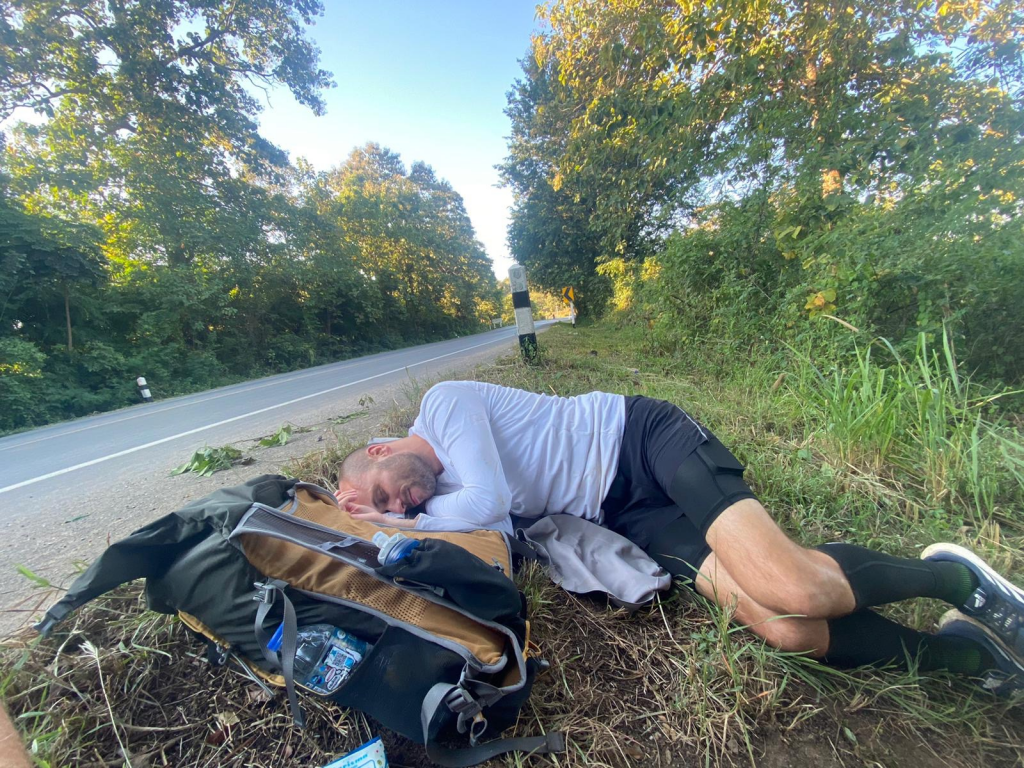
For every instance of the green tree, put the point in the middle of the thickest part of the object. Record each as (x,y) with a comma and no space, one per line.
(867,158)
(147,228)
(42,263)
(414,240)
(151,118)
(550,230)
(47,267)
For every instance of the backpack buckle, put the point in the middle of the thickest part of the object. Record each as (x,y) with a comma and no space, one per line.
(461,702)
(216,653)
(265,594)
(477,728)
(469,711)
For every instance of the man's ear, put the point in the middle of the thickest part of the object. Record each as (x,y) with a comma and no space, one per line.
(378,450)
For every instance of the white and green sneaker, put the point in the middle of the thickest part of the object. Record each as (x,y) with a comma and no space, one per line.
(997,603)
(1009,677)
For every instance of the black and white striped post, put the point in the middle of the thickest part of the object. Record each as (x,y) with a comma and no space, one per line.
(524,318)
(144,393)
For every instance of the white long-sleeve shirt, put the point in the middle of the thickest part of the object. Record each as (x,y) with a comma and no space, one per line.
(505,450)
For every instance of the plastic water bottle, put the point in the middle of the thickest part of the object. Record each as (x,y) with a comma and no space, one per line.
(393,548)
(324,655)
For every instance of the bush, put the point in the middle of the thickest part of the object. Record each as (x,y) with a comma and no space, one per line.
(23,396)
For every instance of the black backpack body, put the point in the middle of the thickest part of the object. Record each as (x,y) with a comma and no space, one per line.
(447,626)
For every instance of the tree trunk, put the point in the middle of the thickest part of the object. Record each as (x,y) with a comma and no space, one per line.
(67,314)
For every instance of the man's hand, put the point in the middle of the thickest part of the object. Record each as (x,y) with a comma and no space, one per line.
(345,496)
(346,500)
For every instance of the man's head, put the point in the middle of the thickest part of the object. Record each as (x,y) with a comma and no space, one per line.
(387,480)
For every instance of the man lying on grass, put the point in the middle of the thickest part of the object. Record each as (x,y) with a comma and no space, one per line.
(647,470)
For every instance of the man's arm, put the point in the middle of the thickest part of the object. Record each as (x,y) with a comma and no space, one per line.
(457,418)
(428,523)
(12,752)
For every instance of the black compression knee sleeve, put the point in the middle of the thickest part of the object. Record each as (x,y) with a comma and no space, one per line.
(707,483)
(865,639)
(877,578)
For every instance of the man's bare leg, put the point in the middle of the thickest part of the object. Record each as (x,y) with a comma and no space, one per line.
(788,633)
(862,638)
(775,572)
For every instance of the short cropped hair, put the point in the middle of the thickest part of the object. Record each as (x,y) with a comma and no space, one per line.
(354,466)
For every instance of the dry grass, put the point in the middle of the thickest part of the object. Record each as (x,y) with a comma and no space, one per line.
(672,685)
(677,685)
(120,685)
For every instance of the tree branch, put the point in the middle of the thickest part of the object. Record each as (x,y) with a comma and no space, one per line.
(211,38)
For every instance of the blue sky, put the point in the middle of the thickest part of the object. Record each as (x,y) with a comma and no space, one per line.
(428,80)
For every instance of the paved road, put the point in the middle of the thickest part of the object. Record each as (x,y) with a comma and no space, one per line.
(67,490)
(72,456)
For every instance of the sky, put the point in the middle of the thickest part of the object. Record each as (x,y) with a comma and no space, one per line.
(425,78)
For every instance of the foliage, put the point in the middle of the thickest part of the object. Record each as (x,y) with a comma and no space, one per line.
(281,437)
(861,161)
(207,460)
(920,415)
(146,228)
(549,230)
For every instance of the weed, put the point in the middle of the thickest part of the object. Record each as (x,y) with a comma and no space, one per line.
(345,418)
(38,582)
(919,420)
(207,460)
(281,437)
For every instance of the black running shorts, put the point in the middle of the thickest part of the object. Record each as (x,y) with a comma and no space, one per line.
(674,478)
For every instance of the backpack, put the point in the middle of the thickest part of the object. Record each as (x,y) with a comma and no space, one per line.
(450,640)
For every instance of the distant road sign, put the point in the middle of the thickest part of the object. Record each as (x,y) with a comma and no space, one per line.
(568,295)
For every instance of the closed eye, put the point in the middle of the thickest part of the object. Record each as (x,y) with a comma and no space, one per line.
(380,498)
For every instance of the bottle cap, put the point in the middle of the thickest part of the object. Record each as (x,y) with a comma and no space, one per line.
(274,643)
(393,548)
(401,550)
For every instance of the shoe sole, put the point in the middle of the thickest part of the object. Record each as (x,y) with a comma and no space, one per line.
(1010,590)
(995,646)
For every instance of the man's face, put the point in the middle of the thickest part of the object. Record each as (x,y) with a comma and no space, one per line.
(395,484)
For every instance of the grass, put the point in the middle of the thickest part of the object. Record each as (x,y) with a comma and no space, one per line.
(889,453)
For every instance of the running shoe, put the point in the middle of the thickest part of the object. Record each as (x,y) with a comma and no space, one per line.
(996,603)
(1009,677)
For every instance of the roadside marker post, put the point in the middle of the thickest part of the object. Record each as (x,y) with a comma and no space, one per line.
(144,393)
(569,297)
(524,318)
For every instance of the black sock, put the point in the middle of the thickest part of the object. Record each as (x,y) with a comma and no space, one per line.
(866,639)
(877,578)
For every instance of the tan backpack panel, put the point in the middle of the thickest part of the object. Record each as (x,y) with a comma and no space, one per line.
(489,546)
(315,572)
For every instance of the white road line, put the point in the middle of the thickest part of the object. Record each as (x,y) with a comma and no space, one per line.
(344,365)
(153,412)
(137,448)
